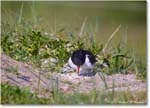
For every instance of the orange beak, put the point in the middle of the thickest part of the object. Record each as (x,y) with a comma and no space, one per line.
(78,67)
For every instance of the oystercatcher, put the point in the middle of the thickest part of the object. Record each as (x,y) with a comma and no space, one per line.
(82,61)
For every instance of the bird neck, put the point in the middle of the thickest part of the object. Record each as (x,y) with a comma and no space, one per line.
(87,59)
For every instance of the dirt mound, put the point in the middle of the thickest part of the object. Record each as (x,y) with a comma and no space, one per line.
(24,75)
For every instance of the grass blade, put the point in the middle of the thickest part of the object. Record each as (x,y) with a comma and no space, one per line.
(82,27)
(20,15)
(110,38)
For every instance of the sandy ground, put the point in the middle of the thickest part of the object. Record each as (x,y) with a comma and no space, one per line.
(24,75)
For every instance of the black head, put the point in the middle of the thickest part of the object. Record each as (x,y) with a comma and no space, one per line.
(78,57)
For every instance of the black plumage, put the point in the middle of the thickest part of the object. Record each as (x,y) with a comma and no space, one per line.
(78,57)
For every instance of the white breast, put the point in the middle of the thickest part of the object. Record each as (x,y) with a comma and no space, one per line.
(88,63)
(72,64)
(86,67)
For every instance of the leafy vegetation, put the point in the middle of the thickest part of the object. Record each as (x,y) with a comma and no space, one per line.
(34,46)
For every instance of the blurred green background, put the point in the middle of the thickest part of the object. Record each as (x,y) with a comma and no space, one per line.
(102,19)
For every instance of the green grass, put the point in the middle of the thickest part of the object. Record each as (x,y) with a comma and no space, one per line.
(31,34)
(34,46)
(15,95)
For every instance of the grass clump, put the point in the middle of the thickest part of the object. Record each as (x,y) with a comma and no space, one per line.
(119,61)
(15,95)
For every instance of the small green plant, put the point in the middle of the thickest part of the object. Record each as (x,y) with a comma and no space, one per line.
(140,69)
(34,46)
(120,60)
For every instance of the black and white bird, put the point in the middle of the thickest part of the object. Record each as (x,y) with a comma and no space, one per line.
(83,62)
